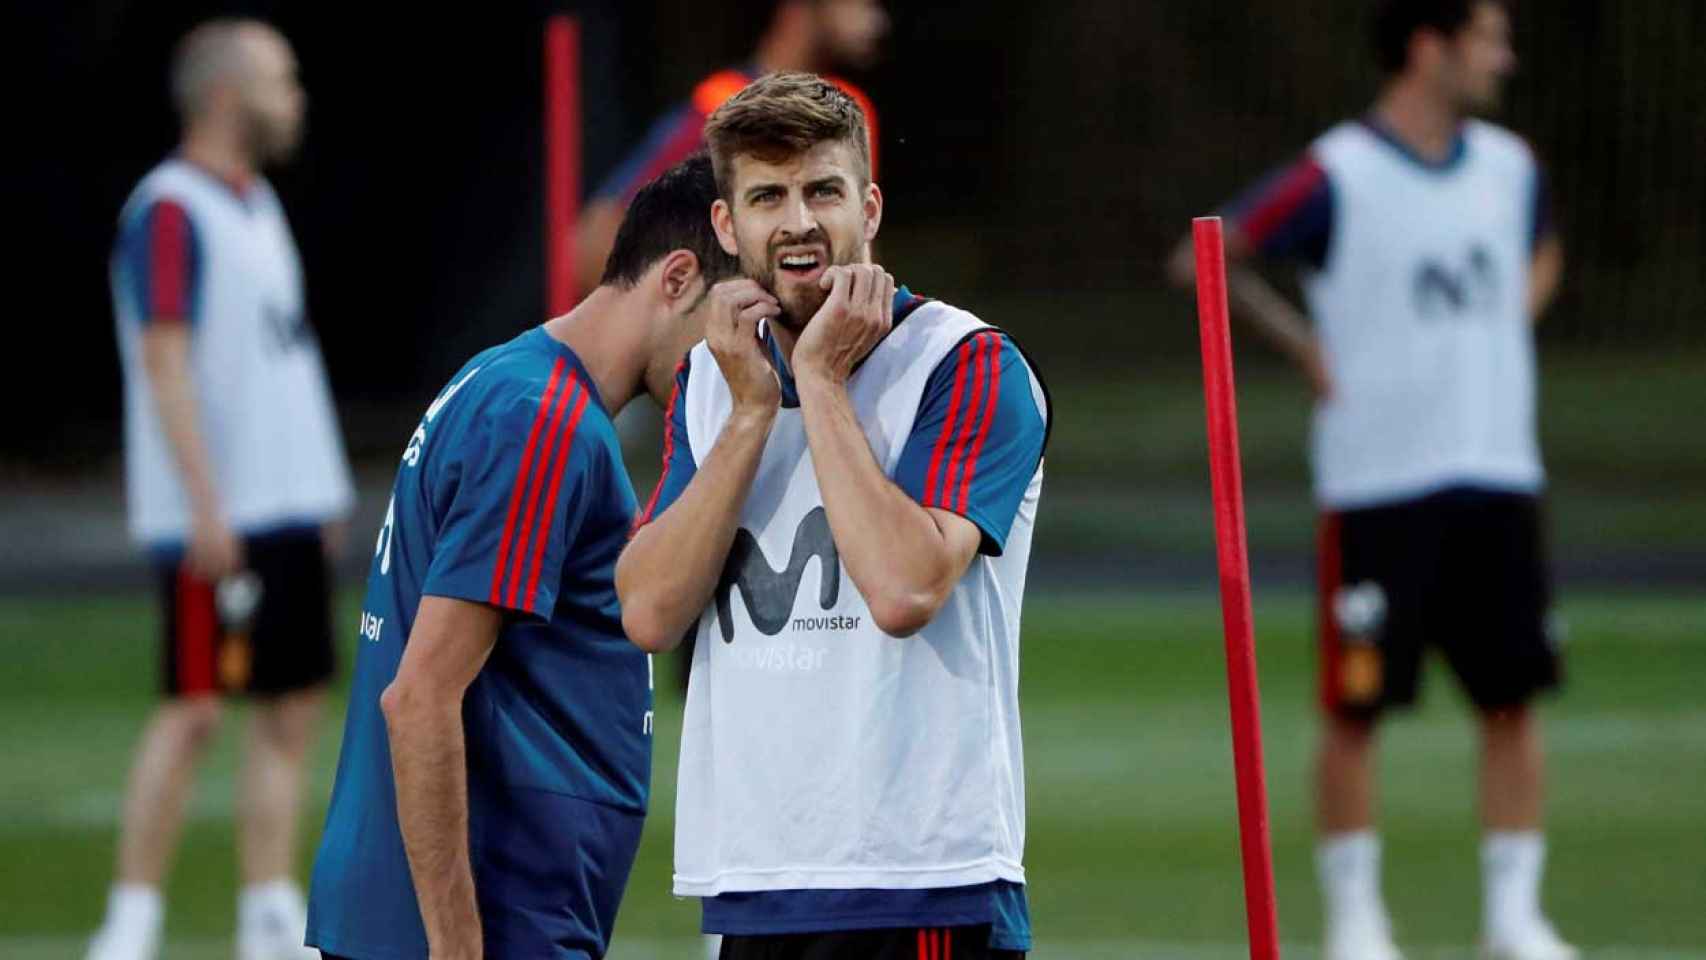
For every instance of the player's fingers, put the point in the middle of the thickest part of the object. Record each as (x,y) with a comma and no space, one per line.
(830,275)
(886,293)
(859,285)
(747,320)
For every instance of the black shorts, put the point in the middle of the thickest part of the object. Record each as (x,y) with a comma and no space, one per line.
(276,632)
(906,943)
(1463,570)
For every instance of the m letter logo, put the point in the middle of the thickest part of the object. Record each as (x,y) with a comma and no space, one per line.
(769,594)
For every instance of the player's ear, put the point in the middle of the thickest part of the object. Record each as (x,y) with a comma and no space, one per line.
(873,210)
(723,221)
(680,269)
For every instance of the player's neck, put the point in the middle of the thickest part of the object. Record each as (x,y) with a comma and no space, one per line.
(608,337)
(218,154)
(1420,118)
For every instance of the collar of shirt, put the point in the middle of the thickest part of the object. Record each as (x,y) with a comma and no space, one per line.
(905,301)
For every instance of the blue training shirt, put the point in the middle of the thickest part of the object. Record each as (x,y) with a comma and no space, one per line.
(511,493)
(989,497)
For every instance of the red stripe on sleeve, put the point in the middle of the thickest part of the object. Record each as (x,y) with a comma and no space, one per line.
(967,424)
(947,943)
(930,495)
(168,262)
(535,485)
(1281,201)
(548,517)
(987,417)
(923,945)
(521,481)
(935,945)
(645,516)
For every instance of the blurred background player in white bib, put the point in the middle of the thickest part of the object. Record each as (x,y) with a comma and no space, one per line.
(1426,257)
(236,480)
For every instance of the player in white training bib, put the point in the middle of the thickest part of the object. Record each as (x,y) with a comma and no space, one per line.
(844,522)
(1426,256)
(233,469)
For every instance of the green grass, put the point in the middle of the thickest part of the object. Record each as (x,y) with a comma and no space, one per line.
(1132,831)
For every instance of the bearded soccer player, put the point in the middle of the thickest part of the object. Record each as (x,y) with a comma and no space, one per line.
(497,750)
(844,522)
(1427,256)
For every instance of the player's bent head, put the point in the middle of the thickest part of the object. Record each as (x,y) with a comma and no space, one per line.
(671,214)
(1461,45)
(242,75)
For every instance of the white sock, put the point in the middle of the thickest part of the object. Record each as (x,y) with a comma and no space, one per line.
(256,901)
(1348,865)
(135,912)
(1511,862)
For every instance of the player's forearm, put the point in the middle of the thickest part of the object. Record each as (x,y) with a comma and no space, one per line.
(891,547)
(1545,276)
(165,357)
(669,571)
(430,767)
(1260,305)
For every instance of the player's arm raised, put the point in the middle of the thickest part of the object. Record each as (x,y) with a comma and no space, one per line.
(667,573)
(449,644)
(904,558)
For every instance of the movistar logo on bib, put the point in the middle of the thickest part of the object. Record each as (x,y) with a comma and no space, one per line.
(769,594)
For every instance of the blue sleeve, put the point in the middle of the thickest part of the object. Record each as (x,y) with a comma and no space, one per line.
(1288,214)
(678,465)
(510,499)
(159,258)
(978,438)
(672,137)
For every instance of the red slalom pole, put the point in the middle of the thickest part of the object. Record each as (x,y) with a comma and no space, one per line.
(1242,692)
(562,159)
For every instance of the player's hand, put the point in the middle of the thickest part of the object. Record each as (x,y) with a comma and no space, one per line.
(731,331)
(855,317)
(214,550)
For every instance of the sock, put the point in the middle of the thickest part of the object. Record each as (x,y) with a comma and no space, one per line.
(1349,868)
(1511,862)
(256,901)
(135,912)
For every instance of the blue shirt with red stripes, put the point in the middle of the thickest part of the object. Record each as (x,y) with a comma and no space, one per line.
(1288,214)
(159,260)
(511,493)
(975,445)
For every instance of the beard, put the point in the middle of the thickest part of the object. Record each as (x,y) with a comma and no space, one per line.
(270,140)
(800,300)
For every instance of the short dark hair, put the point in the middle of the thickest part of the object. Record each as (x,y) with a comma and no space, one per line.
(673,212)
(1395,22)
(783,114)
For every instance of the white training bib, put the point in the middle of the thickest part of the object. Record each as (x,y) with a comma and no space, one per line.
(1422,310)
(817,751)
(265,409)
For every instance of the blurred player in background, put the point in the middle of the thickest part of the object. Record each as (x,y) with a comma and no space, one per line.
(497,752)
(800,35)
(852,781)
(234,471)
(1427,256)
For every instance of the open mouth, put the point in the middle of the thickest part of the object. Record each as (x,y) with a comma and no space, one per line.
(801,265)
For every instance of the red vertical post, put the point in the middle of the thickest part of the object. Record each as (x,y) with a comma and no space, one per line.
(562,159)
(1243,696)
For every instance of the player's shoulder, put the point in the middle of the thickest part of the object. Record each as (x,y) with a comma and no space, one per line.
(1491,142)
(1347,142)
(511,385)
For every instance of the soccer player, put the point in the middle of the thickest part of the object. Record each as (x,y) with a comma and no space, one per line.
(1427,256)
(236,480)
(844,522)
(497,750)
(814,35)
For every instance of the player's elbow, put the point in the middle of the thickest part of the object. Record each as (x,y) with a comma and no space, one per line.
(646,628)
(902,612)
(1182,265)
(399,703)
